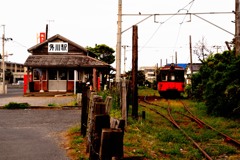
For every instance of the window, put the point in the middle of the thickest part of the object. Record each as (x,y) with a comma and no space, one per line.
(52,74)
(164,76)
(63,74)
(38,74)
(172,77)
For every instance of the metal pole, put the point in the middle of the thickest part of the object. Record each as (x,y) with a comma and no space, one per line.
(176,58)
(237,28)
(119,39)
(190,45)
(124,69)
(3,63)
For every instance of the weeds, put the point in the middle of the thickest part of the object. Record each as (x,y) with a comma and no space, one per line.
(155,138)
(14,105)
(76,144)
(52,105)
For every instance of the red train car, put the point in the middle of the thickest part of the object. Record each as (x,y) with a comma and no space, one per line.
(170,80)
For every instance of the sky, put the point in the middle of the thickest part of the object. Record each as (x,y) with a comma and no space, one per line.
(95,22)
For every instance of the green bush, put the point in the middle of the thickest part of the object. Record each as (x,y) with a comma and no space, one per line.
(113,92)
(217,83)
(14,105)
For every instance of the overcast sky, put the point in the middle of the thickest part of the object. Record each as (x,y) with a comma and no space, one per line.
(95,22)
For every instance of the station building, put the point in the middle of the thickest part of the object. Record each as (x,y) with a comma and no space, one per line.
(58,64)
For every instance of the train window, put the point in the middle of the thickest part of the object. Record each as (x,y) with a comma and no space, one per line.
(179,76)
(164,77)
(172,77)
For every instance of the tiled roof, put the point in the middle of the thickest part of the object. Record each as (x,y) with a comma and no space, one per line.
(63,61)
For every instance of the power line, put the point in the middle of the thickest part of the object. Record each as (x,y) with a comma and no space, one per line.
(180,27)
(177,14)
(20,44)
(166,21)
(214,24)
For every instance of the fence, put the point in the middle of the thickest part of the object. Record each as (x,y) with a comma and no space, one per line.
(104,133)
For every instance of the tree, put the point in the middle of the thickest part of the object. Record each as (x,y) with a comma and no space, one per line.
(9,76)
(140,77)
(104,53)
(218,84)
(201,50)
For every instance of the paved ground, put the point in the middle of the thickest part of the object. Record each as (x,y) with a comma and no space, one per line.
(16,95)
(38,101)
(34,134)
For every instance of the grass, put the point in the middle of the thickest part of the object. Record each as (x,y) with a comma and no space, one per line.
(75,144)
(155,138)
(52,105)
(15,105)
(145,91)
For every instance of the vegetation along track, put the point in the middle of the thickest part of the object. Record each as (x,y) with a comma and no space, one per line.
(184,121)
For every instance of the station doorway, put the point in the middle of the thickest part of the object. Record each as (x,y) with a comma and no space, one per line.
(57,80)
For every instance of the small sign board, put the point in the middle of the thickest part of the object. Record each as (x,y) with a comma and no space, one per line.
(58,47)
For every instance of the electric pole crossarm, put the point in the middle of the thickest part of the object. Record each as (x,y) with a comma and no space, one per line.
(177,14)
(138,23)
(180,14)
(213,24)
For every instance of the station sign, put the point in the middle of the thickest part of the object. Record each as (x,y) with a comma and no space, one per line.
(42,37)
(58,47)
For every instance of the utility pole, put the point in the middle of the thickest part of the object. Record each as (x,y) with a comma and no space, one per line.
(3,64)
(119,39)
(124,47)
(217,47)
(3,57)
(237,28)
(176,58)
(190,45)
(48,28)
(46,31)
(134,72)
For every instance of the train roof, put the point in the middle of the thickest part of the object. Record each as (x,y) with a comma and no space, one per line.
(184,65)
(169,66)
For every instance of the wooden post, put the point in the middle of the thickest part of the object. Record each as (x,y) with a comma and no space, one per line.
(124,101)
(143,115)
(93,98)
(94,79)
(99,108)
(84,112)
(108,103)
(79,99)
(111,144)
(134,73)
(100,122)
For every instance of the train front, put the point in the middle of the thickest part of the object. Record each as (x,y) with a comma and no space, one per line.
(171,81)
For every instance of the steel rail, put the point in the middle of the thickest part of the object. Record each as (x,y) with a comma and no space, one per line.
(188,137)
(201,123)
(171,119)
(227,138)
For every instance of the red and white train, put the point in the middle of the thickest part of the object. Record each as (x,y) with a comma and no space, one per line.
(170,81)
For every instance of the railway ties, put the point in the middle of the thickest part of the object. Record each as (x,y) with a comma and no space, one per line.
(193,118)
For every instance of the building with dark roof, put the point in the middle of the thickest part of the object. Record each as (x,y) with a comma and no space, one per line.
(58,63)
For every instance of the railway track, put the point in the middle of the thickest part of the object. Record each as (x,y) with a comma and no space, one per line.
(167,113)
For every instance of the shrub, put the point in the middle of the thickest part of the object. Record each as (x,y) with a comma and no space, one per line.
(14,105)
(218,84)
